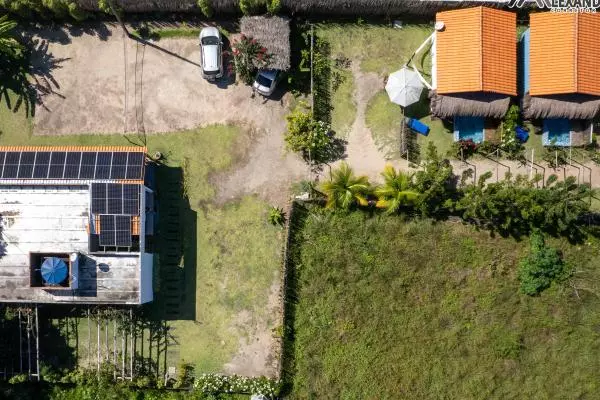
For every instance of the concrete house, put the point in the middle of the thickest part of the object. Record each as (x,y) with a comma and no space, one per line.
(76,225)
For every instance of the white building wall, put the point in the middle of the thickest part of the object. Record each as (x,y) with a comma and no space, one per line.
(146,272)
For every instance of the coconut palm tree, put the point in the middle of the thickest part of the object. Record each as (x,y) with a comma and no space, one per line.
(396,191)
(9,46)
(344,190)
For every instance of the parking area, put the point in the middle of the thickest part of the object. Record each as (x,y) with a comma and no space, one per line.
(117,84)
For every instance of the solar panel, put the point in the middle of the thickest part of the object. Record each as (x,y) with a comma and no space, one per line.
(42,164)
(131,199)
(114,198)
(99,198)
(88,165)
(26,165)
(72,165)
(2,156)
(123,230)
(135,164)
(57,165)
(107,230)
(115,230)
(119,165)
(11,165)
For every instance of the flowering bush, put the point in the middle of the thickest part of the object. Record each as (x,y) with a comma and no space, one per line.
(217,383)
(249,55)
(464,148)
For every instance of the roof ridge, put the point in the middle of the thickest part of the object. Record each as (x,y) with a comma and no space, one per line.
(481,48)
(576,53)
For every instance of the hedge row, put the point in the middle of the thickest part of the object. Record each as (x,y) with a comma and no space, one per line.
(388,8)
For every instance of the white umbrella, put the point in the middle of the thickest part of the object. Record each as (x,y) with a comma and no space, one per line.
(404,87)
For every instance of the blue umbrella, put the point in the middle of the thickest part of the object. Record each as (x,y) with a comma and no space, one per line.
(54,271)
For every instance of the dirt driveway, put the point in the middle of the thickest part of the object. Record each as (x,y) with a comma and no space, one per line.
(106,83)
(116,85)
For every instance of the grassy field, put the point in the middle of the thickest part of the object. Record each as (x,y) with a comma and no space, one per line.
(394,309)
(229,255)
(384,118)
(344,107)
(380,48)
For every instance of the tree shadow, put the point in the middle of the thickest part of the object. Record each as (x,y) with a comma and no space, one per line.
(175,286)
(335,151)
(30,78)
(297,218)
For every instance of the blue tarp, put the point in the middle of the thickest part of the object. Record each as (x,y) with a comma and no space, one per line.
(54,270)
(417,126)
(521,134)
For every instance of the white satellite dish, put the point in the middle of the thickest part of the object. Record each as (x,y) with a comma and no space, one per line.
(439,26)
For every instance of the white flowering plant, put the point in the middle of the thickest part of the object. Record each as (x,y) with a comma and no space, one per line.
(218,383)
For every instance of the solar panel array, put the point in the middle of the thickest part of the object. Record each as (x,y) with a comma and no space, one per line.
(115,230)
(115,198)
(71,165)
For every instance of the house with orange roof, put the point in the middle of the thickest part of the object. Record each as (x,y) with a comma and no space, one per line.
(474,72)
(561,75)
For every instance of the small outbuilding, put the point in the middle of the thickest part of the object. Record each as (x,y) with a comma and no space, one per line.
(274,34)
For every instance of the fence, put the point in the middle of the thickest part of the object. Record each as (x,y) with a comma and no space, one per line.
(306,7)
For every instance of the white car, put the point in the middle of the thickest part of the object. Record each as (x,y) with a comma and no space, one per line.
(266,81)
(211,54)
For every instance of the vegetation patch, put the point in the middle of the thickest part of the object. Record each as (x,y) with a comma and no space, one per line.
(377,319)
(343,111)
(380,48)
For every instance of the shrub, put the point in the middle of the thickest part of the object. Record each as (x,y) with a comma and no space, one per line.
(206,8)
(464,149)
(185,376)
(276,216)
(273,6)
(541,267)
(249,55)
(77,13)
(510,144)
(435,183)
(306,136)
(248,7)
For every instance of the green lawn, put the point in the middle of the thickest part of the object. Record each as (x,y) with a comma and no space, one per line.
(393,309)
(344,107)
(228,257)
(380,48)
(384,118)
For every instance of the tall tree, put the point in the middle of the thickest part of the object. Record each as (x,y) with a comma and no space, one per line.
(344,190)
(396,191)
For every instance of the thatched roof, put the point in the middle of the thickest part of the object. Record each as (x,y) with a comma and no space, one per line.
(571,106)
(274,34)
(488,105)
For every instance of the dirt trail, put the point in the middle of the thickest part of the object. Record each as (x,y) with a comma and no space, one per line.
(362,154)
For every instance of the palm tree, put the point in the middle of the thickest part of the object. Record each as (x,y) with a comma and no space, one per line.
(396,191)
(9,46)
(345,190)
